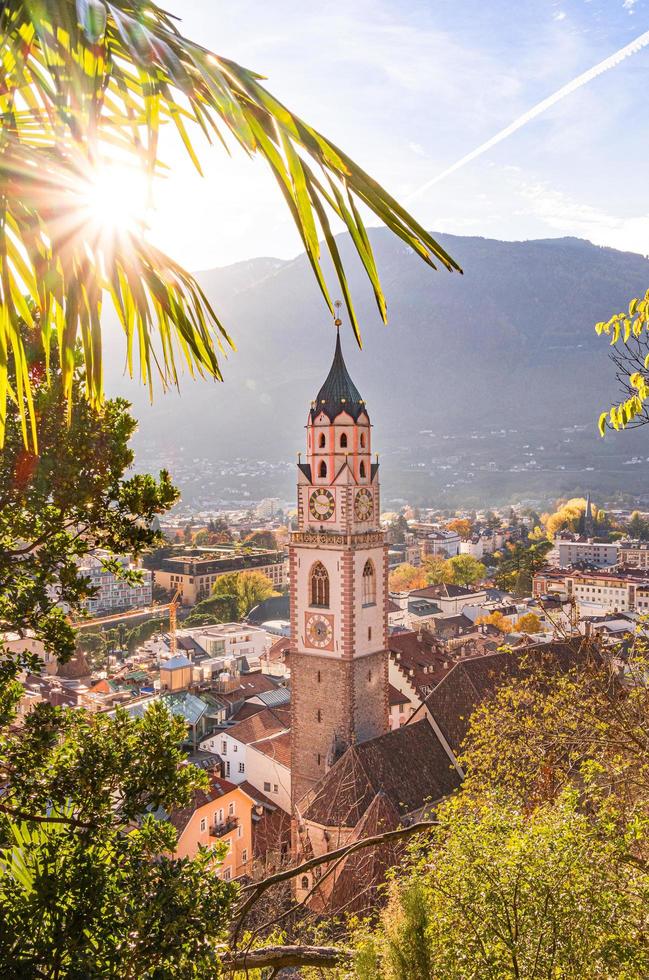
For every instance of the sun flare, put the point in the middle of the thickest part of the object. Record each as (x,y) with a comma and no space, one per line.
(116,199)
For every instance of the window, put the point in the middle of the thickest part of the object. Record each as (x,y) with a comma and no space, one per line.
(244,856)
(322,441)
(227,769)
(369,634)
(322,469)
(361,469)
(369,675)
(319,677)
(275,788)
(319,715)
(203,825)
(220,820)
(319,586)
(319,758)
(235,747)
(224,748)
(362,440)
(227,874)
(242,767)
(368,591)
(231,809)
(305,882)
(266,787)
(343,441)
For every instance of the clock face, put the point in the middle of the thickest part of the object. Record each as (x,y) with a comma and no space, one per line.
(322,504)
(319,631)
(363,505)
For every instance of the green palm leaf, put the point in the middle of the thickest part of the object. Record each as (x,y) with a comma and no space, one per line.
(83,80)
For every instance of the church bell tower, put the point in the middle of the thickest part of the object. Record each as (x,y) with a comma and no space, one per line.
(338,586)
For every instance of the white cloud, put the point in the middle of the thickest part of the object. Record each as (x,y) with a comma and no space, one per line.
(560,15)
(563,213)
(629,5)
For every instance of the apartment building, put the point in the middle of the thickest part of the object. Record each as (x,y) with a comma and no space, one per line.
(114,594)
(597,553)
(194,573)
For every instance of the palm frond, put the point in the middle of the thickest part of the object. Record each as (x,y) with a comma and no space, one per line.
(83,78)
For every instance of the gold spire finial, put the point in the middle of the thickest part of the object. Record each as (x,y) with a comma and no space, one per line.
(337,320)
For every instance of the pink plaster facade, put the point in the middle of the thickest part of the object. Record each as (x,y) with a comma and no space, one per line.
(224,818)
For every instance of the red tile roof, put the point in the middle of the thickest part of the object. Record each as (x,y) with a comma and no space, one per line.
(278,748)
(269,721)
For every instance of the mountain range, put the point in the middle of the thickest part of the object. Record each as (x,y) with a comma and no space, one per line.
(510,345)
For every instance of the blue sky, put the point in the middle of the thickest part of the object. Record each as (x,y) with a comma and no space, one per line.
(409,87)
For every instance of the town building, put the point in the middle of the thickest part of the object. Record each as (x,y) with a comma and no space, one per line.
(257,750)
(194,573)
(597,591)
(113,592)
(599,554)
(634,554)
(220,815)
(338,586)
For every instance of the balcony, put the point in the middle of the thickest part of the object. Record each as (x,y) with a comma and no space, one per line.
(221,829)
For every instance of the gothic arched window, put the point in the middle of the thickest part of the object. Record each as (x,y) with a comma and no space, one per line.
(305,883)
(362,440)
(319,586)
(322,469)
(369,584)
(322,440)
(361,469)
(343,441)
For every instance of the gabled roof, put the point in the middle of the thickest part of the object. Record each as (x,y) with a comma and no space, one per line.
(277,748)
(338,393)
(470,681)
(409,765)
(261,725)
(218,787)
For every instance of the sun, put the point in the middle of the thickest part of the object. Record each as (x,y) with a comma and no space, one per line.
(115,199)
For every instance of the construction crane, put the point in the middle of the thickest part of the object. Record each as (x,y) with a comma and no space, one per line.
(173,607)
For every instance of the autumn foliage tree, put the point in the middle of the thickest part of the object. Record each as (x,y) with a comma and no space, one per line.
(498,620)
(405,578)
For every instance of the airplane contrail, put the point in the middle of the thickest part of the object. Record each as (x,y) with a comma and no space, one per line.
(568,89)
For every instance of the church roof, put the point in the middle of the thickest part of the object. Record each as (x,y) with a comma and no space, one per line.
(338,393)
(409,765)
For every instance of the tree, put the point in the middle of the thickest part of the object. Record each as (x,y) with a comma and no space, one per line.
(638,527)
(497,620)
(405,578)
(517,564)
(248,588)
(629,352)
(262,539)
(438,571)
(214,609)
(466,570)
(64,130)
(529,623)
(501,893)
(461,526)
(59,506)
(87,888)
